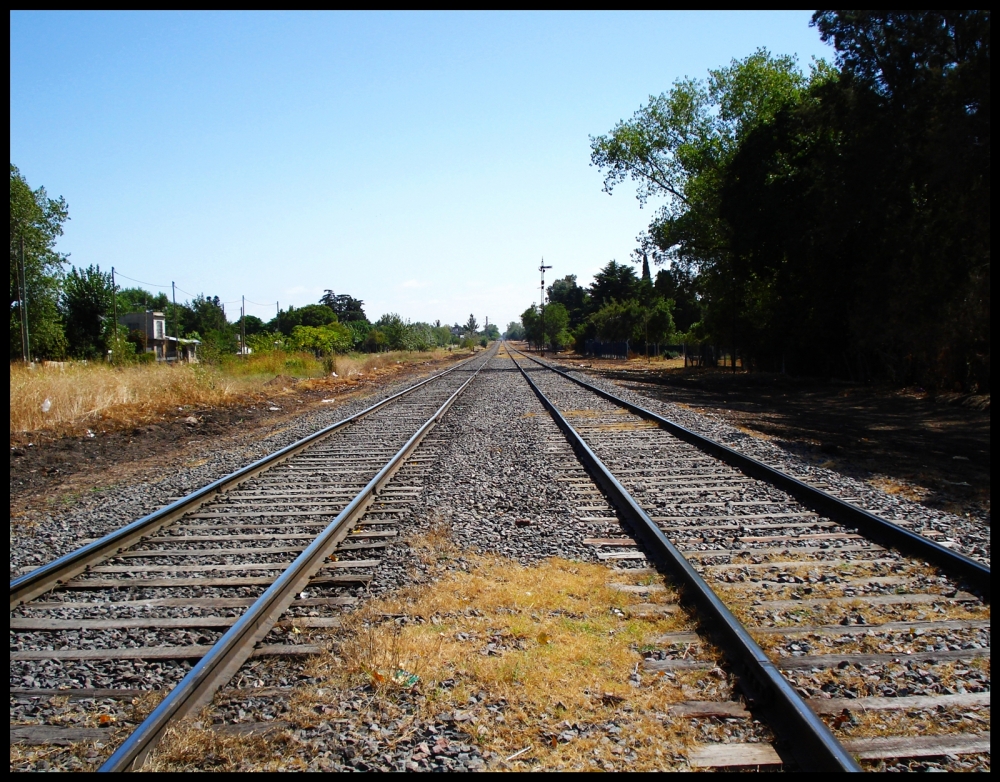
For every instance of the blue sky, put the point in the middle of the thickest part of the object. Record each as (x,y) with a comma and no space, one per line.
(422,162)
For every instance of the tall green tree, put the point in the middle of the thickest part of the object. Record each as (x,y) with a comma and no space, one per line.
(514,330)
(139,300)
(346,308)
(88,311)
(615,282)
(572,296)
(555,321)
(678,148)
(532,324)
(36,222)
(204,314)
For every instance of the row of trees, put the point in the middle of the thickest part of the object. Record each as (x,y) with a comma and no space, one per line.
(73,313)
(617,306)
(836,222)
(338,324)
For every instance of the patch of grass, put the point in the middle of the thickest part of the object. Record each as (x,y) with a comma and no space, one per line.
(70,397)
(542,659)
(545,641)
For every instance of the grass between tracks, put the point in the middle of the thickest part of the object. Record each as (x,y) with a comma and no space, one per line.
(554,649)
(67,398)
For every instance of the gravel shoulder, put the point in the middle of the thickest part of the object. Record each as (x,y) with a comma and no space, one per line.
(64,490)
(934,449)
(962,525)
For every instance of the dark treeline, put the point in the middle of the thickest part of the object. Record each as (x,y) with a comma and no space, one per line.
(834,223)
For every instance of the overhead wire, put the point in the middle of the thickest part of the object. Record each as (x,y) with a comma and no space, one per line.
(181,290)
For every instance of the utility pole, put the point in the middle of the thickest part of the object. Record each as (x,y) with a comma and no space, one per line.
(542,269)
(243,328)
(22,294)
(114,298)
(173,293)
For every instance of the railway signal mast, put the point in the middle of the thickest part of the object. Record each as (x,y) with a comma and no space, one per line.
(541,305)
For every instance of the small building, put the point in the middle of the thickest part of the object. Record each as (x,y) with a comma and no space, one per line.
(151,327)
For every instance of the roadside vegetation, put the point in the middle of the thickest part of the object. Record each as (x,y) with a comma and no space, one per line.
(86,367)
(72,397)
(831,223)
(59,314)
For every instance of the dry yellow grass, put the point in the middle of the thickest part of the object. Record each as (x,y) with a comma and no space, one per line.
(564,648)
(72,396)
(49,399)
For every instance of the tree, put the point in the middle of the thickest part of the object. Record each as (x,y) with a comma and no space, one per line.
(615,282)
(618,321)
(532,323)
(87,308)
(471,325)
(139,300)
(36,222)
(514,330)
(310,315)
(556,320)
(442,335)
(678,148)
(680,286)
(860,216)
(253,325)
(346,308)
(204,314)
(574,298)
(491,332)
(375,341)
(322,340)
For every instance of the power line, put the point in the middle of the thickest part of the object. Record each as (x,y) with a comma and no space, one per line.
(142,282)
(177,287)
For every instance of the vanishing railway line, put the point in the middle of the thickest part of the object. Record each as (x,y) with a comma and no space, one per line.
(193,591)
(894,653)
(842,647)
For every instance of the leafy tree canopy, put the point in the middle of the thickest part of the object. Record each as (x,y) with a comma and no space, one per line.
(87,306)
(310,315)
(615,282)
(36,221)
(347,308)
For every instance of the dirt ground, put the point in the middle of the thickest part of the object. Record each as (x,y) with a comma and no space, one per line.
(935,450)
(47,470)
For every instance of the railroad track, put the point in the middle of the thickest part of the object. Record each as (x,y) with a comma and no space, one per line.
(185,596)
(854,638)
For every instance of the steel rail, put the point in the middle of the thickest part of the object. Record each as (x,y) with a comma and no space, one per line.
(809,740)
(230,652)
(61,570)
(874,527)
